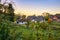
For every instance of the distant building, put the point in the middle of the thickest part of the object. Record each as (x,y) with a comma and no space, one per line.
(55,18)
(22,21)
(40,18)
(58,17)
(36,18)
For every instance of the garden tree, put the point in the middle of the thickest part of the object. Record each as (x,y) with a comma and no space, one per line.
(23,16)
(25,19)
(17,16)
(1,8)
(0,19)
(7,29)
(11,12)
(46,15)
(5,7)
(4,32)
(8,10)
(28,23)
(3,29)
(37,28)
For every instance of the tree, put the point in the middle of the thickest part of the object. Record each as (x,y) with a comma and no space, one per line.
(28,23)
(8,10)
(23,16)
(11,12)
(7,29)
(4,32)
(1,8)
(46,15)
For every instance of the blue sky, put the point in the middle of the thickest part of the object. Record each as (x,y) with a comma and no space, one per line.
(37,6)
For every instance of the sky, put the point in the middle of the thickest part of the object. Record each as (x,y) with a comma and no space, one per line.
(37,7)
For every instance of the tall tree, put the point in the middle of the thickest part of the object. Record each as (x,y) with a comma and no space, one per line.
(46,15)
(1,7)
(11,11)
